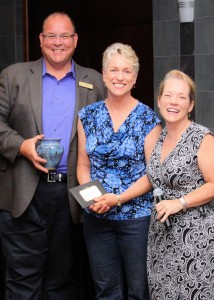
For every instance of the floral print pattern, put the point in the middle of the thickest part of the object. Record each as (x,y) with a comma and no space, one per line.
(117,158)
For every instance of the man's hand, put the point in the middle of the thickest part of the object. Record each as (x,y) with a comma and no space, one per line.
(28,149)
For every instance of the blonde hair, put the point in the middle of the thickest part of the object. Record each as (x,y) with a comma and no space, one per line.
(125,50)
(176,74)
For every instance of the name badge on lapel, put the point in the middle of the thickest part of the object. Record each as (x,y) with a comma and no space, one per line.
(86,85)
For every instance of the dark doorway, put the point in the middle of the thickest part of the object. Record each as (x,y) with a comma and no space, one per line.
(99,24)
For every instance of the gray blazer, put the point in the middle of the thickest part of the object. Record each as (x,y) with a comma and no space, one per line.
(21,118)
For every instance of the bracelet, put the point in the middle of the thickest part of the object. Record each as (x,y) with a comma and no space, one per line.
(183,202)
(118,200)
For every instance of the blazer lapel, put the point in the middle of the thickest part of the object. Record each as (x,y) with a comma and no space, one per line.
(35,86)
(81,96)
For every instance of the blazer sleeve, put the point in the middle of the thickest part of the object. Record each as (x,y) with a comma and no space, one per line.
(10,140)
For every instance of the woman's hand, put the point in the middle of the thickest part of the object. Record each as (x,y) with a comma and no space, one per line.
(104,203)
(165,208)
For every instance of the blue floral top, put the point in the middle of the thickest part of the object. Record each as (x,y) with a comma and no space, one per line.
(117,158)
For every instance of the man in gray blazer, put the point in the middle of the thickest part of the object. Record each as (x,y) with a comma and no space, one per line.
(38,99)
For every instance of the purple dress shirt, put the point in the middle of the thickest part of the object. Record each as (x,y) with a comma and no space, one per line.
(58,107)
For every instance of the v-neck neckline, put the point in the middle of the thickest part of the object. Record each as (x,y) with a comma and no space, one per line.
(174,148)
(129,115)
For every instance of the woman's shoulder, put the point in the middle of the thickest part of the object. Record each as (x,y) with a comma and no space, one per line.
(196,133)
(91,107)
(147,114)
(199,128)
(145,108)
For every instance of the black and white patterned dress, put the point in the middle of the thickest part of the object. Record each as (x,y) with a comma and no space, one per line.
(181,259)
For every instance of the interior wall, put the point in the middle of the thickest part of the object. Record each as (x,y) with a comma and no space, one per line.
(188,47)
(99,24)
(11,32)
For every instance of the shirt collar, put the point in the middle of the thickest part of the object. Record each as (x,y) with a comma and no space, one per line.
(72,70)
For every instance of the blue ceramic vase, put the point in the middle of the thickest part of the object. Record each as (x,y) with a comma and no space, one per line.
(51,151)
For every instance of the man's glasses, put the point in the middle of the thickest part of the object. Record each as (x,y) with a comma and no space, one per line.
(63,36)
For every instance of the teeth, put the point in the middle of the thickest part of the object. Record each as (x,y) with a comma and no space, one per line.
(172,110)
(118,84)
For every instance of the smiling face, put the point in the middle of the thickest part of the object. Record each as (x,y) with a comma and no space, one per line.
(58,51)
(119,75)
(174,103)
